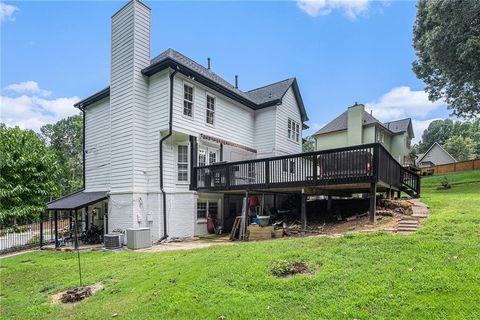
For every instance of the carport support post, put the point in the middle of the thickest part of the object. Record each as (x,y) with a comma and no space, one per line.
(329,203)
(41,229)
(55,217)
(373,202)
(76,228)
(304,210)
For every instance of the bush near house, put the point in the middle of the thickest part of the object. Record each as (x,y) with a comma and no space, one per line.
(433,273)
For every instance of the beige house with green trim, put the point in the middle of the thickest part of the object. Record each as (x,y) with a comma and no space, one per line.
(356,126)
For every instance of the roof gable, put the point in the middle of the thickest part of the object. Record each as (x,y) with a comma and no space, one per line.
(436,144)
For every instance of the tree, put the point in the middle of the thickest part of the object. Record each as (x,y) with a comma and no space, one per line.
(461,148)
(65,139)
(309,144)
(446,38)
(442,130)
(28,173)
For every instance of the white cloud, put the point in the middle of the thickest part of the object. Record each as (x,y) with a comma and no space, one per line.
(351,8)
(402,102)
(314,127)
(27,87)
(33,110)
(7,11)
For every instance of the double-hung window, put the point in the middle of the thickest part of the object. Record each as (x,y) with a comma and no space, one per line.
(187,100)
(212,157)
(201,210)
(210,109)
(293,130)
(182,163)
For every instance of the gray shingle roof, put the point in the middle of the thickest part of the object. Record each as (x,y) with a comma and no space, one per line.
(341,123)
(274,91)
(257,98)
(76,200)
(189,63)
(398,125)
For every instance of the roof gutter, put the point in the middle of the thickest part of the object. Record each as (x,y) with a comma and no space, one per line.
(160,155)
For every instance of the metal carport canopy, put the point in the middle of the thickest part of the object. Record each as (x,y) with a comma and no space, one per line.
(77,200)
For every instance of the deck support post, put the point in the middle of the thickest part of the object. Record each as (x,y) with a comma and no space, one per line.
(399,194)
(329,202)
(373,202)
(304,210)
(55,217)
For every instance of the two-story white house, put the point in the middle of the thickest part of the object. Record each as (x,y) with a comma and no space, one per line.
(161,117)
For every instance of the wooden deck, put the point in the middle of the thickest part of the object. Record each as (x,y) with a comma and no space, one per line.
(348,170)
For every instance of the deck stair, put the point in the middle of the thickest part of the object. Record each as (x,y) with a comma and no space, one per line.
(410,224)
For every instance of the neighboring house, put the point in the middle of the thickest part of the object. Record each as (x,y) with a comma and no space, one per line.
(356,127)
(161,117)
(435,155)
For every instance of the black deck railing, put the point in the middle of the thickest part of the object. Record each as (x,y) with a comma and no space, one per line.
(356,164)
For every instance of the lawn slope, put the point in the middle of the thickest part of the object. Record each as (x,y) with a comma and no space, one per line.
(434,273)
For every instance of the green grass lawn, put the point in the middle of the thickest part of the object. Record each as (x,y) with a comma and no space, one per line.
(434,273)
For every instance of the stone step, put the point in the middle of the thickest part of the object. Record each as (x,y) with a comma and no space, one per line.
(407,229)
(401,223)
(420,215)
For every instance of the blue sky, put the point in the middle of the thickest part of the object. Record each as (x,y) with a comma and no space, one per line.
(54,53)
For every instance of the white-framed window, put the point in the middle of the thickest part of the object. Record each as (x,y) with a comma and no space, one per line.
(202,157)
(293,130)
(187,100)
(212,157)
(182,163)
(210,115)
(206,209)
(201,210)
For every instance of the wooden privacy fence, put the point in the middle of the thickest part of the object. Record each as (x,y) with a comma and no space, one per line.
(453,167)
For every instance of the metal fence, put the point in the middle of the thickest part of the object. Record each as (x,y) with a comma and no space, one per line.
(23,236)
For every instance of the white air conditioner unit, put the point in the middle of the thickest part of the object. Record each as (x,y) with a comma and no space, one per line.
(113,241)
(138,238)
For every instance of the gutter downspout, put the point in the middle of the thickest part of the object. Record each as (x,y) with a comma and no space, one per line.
(169,134)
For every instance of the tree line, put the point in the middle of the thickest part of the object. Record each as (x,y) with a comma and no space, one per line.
(37,167)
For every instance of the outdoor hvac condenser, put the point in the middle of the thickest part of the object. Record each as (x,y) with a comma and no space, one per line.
(138,238)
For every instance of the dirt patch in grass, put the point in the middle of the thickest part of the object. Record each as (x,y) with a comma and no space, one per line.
(72,296)
(284,268)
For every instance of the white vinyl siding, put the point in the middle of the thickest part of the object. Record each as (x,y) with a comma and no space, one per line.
(97,146)
(233,122)
(265,120)
(287,110)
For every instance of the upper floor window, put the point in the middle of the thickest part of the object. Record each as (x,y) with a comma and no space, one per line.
(210,109)
(182,163)
(293,130)
(379,135)
(187,100)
